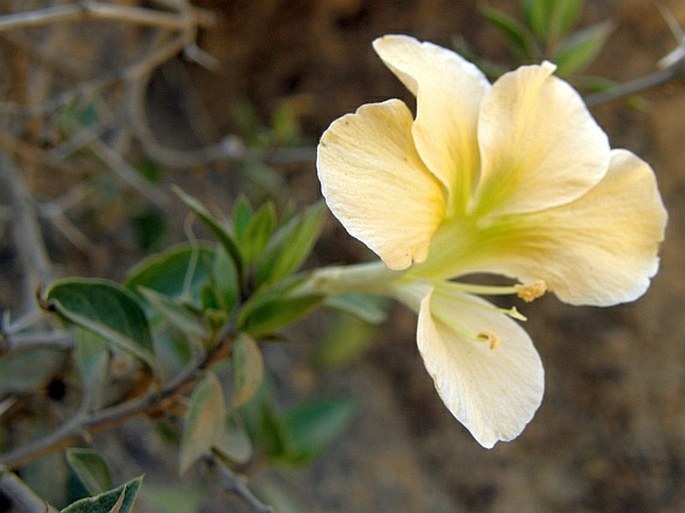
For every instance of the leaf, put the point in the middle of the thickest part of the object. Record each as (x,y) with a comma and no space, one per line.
(249,369)
(346,340)
(578,52)
(366,307)
(176,315)
(225,278)
(234,442)
(25,370)
(550,19)
(174,498)
(265,317)
(241,215)
(224,237)
(537,15)
(178,272)
(290,246)
(313,425)
(118,500)
(91,469)
(203,423)
(105,308)
(258,232)
(92,359)
(565,15)
(520,38)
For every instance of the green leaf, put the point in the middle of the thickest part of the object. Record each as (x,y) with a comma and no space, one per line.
(578,52)
(258,232)
(366,307)
(520,38)
(174,498)
(550,19)
(92,359)
(313,425)
(225,278)
(234,442)
(176,315)
(241,215)
(248,366)
(91,469)
(178,272)
(537,15)
(346,340)
(203,423)
(290,246)
(118,500)
(26,370)
(262,316)
(105,308)
(224,237)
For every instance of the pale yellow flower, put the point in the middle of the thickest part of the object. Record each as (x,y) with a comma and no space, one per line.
(514,178)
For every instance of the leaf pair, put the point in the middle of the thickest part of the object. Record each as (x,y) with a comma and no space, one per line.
(209,424)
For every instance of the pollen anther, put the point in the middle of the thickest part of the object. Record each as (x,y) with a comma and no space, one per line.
(490,337)
(531,291)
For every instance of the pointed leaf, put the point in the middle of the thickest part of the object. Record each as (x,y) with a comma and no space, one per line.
(520,38)
(312,426)
(118,500)
(268,317)
(290,246)
(204,421)
(225,278)
(578,52)
(258,232)
(176,315)
(241,215)
(224,237)
(92,359)
(248,365)
(234,443)
(105,308)
(91,469)
(366,307)
(178,272)
(346,340)
(25,370)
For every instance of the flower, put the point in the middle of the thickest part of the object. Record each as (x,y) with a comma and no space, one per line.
(513,178)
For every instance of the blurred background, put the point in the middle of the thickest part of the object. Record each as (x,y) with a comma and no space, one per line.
(610,435)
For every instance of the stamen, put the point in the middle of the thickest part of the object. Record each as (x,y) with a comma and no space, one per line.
(489,337)
(531,291)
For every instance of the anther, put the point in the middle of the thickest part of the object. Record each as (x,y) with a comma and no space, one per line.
(530,291)
(490,337)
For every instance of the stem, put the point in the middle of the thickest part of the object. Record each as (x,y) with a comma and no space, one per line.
(91,10)
(25,230)
(236,484)
(634,86)
(20,493)
(371,278)
(82,427)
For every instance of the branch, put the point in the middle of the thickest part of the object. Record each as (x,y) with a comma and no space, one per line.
(20,493)
(26,231)
(635,86)
(82,427)
(94,10)
(236,484)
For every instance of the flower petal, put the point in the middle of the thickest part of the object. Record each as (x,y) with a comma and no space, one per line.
(601,249)
(540,146)
(376,184)
(448,90)
(494,385)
